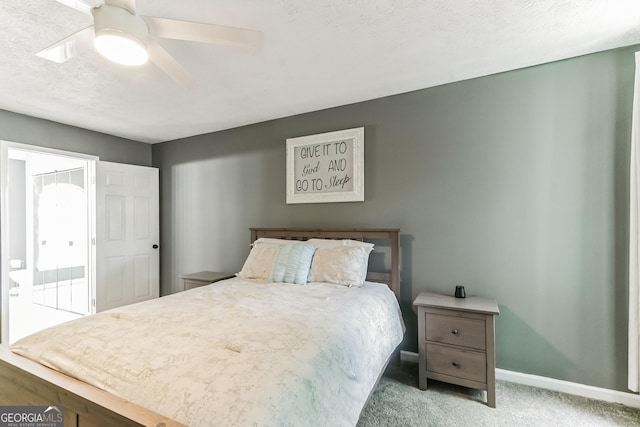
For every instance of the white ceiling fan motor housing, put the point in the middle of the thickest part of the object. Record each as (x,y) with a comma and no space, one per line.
(120,36)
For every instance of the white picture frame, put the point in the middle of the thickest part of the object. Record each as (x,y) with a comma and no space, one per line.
(326,167)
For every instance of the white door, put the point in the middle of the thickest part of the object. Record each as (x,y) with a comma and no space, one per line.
(127,234)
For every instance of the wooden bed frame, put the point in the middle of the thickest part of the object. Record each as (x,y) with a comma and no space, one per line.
(24,382)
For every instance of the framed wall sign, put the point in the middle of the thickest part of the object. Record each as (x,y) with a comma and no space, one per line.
(328,167)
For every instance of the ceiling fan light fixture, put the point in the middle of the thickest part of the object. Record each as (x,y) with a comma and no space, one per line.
(121,48)
(120,36)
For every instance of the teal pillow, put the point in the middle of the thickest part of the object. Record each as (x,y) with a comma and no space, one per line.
(292,263)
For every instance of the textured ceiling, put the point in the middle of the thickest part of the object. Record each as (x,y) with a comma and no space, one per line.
(317,54)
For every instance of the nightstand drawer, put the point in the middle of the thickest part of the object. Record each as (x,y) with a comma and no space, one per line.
(190,284)
(456,330)
(467,364)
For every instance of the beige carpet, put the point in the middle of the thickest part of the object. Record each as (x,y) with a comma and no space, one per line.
(398,402)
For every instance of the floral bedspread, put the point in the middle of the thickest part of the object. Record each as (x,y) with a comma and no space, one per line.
(235,353)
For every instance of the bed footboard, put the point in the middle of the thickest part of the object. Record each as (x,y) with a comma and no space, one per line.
(25,383)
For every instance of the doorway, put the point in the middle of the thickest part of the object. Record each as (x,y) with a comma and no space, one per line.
(49,226)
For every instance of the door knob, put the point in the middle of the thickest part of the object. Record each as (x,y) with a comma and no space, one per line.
(155,246)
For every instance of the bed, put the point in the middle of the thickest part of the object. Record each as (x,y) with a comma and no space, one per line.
(273,352)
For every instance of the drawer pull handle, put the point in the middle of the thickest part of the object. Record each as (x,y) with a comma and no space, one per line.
(455,364)
(455,332)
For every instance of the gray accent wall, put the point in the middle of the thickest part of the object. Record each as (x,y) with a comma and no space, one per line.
(513,185)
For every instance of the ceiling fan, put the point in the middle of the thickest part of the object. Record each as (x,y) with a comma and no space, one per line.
(129,39)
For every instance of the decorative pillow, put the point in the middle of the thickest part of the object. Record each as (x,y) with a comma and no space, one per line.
(292,263)
(259,262)
(343,265)
(333,243)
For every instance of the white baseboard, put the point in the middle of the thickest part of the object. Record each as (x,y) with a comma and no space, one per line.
(591,392)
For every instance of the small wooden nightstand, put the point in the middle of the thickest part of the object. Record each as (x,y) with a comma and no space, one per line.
(456,341)
(202,278)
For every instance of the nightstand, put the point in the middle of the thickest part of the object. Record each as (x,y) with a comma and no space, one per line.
(202,278)
(456,341)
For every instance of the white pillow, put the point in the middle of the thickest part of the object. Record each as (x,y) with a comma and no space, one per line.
(332,243)
(259,262)
(343,265)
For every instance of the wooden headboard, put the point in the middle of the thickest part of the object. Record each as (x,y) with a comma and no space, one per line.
(392,278)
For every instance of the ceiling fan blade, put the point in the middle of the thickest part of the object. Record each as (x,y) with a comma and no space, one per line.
(167,63)
(69,47)
(130,5)
(205,33)
(83,6)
